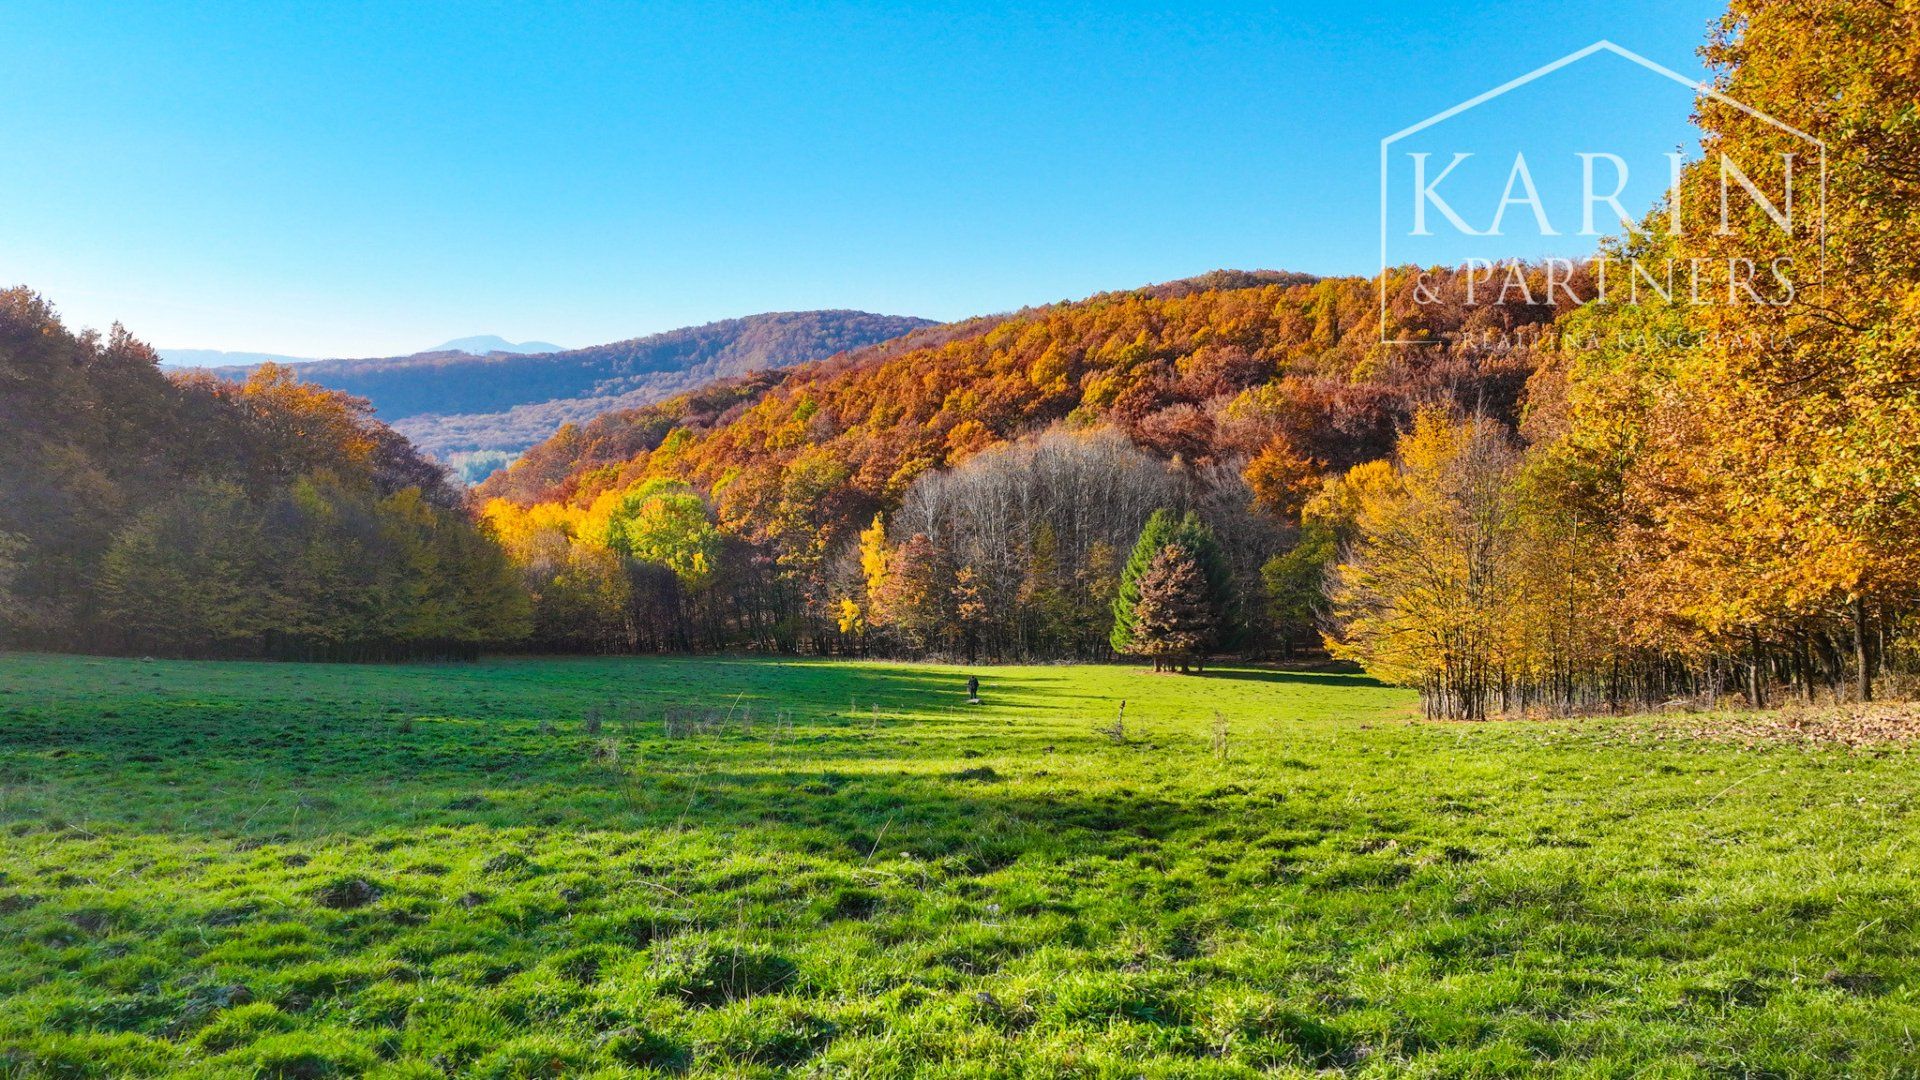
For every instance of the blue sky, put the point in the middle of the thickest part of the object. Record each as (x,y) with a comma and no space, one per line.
(369,179)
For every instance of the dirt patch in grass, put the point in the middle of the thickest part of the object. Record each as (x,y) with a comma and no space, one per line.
(346,894)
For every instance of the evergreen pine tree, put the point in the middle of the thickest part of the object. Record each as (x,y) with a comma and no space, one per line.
(1159,530)
(1176,621)
(1193,537)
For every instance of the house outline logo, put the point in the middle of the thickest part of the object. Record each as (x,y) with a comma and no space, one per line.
(1601,46)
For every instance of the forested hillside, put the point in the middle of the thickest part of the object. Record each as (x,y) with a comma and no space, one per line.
(1582,504)
(1019,457)
(1592,506)
(452,401)
(190,515)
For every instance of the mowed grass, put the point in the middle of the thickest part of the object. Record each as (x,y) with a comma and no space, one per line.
(838,868)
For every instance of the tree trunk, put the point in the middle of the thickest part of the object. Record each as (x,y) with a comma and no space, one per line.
(1861,667)
(1806,669)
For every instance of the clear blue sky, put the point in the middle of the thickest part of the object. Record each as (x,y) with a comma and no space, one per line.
(369,179)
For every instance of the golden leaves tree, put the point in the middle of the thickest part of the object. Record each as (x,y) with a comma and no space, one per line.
(1427,594)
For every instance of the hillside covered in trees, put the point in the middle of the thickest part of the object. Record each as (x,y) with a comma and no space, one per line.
(1595,505)
(452,401)
(1566,505)
(189,515)
(978,494)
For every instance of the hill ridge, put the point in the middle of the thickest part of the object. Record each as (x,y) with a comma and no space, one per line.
(1161,362)
(450,401)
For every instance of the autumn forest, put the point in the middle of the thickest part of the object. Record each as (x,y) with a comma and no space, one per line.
(1547,506)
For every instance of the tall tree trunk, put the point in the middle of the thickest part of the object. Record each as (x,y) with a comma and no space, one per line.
(1863,670)
(1806,669)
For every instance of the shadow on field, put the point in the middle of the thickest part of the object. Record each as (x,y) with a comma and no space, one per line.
(270,753)
(973,814)
(986,817)
(1297,678)
(912,690)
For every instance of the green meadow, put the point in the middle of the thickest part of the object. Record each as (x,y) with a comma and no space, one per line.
(618,867)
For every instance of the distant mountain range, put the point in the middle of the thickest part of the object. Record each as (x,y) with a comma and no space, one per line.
(214,358)
(483,344)
(479,345)
(453,402)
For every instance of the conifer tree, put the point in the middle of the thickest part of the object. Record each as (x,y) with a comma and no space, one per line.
(1193,539)
(1176,620)
(1157,533)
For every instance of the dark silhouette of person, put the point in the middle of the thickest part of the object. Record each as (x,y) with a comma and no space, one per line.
(973,689)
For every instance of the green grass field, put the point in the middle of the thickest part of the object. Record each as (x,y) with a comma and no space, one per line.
(755,867)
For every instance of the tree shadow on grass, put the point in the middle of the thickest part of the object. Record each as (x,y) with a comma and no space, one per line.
(1294,677)
(934,691)
(973,813)
(308,752)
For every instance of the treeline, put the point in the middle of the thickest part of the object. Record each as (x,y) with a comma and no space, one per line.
(193,516)
(1022,550)
(1705,499)
(980,496)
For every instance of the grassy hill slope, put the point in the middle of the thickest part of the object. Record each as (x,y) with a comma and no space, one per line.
(539,867)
